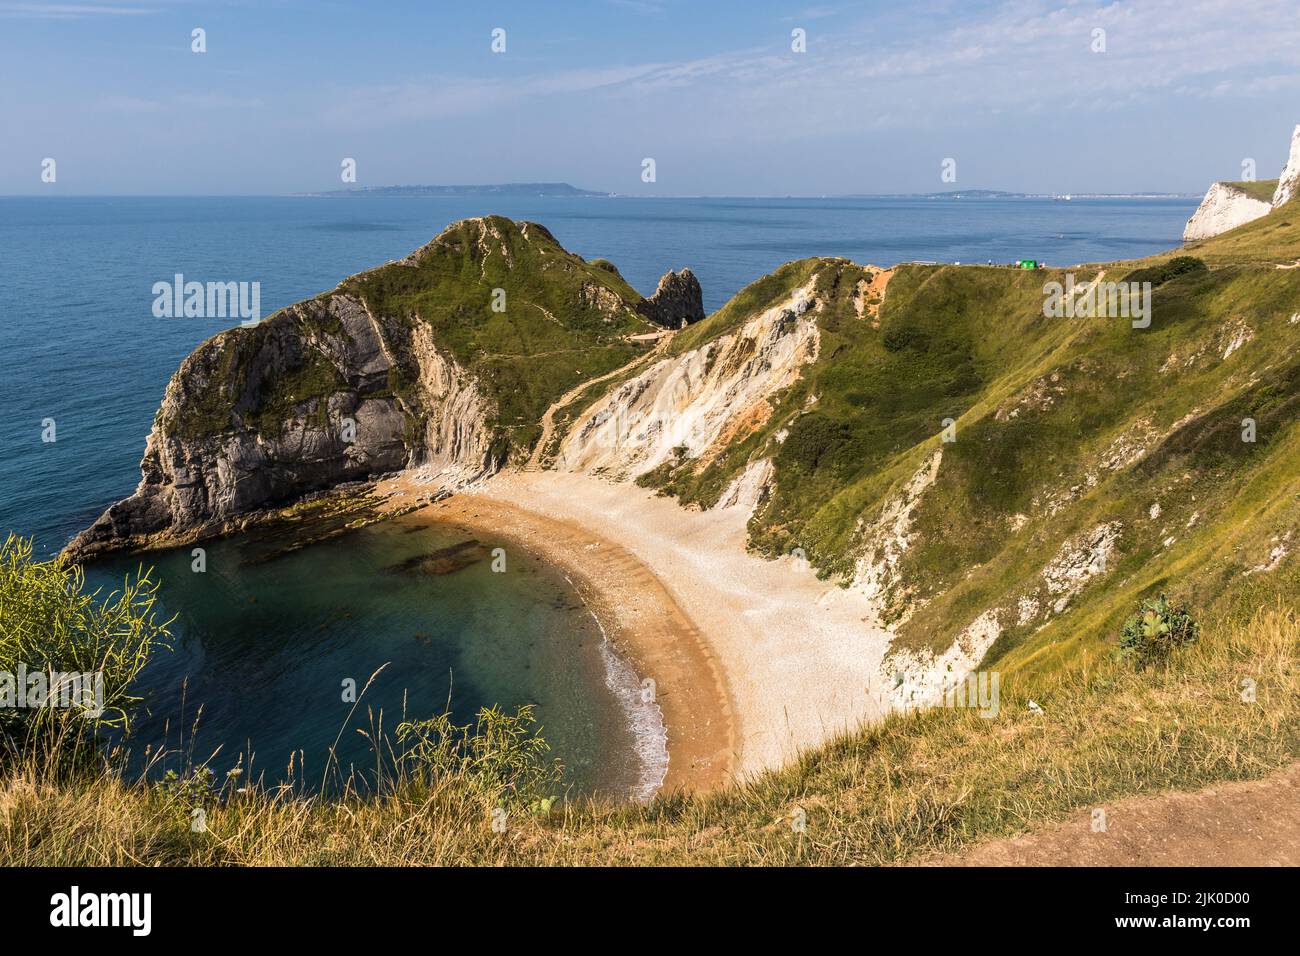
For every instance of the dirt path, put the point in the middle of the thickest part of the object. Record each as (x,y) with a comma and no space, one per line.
(1255,823)
(548,417)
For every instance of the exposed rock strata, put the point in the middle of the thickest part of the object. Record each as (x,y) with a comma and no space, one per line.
(688,404)
(303,402)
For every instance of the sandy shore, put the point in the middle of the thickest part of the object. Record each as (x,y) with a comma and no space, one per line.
(753,660)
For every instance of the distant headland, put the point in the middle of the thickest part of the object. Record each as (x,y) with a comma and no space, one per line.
(549,190)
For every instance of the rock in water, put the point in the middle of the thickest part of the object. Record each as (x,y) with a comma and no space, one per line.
(677,302)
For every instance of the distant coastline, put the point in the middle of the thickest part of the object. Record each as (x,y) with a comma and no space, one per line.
(535,190)
(568,191)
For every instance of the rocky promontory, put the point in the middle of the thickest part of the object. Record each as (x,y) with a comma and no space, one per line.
(443,361)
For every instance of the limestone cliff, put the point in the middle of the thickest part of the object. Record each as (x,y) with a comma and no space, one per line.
(1225,206)
(302,402)
(1229,205)
(677,302)
(1288,185)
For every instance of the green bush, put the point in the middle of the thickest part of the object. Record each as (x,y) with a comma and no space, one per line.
(51,628)
(1173,269)
(1152,634)
(501,756)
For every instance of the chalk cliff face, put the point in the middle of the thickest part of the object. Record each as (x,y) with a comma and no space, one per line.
(1288,185)
(697,403)
(1229,205)
(1224,207)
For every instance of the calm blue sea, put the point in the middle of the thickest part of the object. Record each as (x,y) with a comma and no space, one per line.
(82,347)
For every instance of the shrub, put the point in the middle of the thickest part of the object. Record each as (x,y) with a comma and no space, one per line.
(500,756)
(1173,269)
(1151,635)
(813,441)
(49,626)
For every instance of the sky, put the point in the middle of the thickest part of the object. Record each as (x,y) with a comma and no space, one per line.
(1022,95)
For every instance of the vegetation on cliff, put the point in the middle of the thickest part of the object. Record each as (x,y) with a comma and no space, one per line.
(1088,464)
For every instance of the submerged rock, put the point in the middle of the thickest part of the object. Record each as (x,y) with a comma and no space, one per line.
(447,560)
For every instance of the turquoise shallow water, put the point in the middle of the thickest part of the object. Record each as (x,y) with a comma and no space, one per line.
(264,647)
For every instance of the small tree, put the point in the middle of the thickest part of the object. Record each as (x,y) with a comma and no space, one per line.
(1151,635)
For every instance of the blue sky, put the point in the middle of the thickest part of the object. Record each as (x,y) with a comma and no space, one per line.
(1013,91)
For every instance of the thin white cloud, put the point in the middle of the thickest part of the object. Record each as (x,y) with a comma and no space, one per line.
(68,11)
(1032,54)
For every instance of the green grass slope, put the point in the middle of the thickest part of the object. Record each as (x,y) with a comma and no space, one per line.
(1067,430)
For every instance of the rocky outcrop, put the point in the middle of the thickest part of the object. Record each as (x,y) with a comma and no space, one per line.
(1226,206)
(676,303)
(320,394)
(1288,185)
(691,405)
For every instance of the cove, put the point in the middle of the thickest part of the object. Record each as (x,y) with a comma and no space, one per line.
(266,637)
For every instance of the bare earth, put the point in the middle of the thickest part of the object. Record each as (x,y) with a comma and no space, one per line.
(1255,823)
(753,660)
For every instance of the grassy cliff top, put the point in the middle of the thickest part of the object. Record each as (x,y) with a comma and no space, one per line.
(1257,188)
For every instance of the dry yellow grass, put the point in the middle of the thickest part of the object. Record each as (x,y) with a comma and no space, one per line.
(910,787)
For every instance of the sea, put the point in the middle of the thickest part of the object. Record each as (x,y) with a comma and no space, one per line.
(265,643)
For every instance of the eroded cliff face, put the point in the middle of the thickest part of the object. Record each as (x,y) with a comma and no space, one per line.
(319,395)
(1227,205)
(1224,207)
(692,405)
(1288,185)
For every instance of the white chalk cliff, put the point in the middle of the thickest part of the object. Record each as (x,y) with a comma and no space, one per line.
(696,403)
(1227,205)
(1224,207)
(1288,186)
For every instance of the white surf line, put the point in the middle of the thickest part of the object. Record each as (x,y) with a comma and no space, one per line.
(645,718)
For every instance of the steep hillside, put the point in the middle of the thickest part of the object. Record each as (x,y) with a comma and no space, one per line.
(1005,483)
